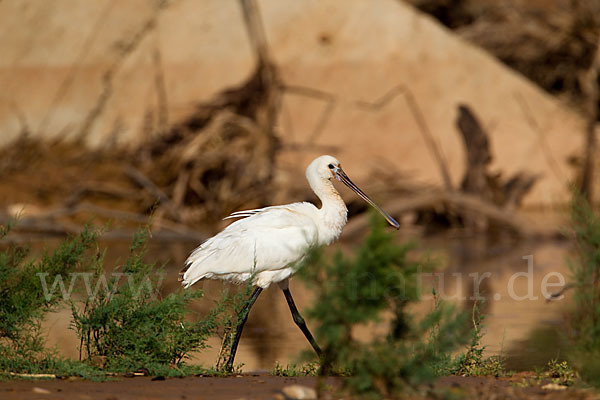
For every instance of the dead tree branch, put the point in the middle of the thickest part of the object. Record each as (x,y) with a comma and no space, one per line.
(162,103)
(478,179)
(65,85)
(146,183)
(591,89)
(535,127)
(477,153)
(127,48)
(330,103)
(421,122)
(455,201)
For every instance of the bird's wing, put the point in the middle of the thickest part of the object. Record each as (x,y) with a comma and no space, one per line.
(269,240)
(248,213)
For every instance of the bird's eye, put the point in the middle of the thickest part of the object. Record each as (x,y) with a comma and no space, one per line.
(330,166)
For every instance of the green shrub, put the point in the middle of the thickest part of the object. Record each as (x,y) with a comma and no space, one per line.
(123,324)
(560,372)
(127,325)
(306,369)
(24,300)
(472,362)
(378,284)
(585,317)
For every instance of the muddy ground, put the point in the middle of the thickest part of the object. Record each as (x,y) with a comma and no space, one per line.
(263,387)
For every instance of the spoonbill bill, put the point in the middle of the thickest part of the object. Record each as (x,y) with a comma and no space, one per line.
(267,244)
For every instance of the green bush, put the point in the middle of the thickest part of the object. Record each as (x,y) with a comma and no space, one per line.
(123,324)
(306,369)
(585,267)
(561,373)
(24,301)
(378,284)
(128,325)
(472,362)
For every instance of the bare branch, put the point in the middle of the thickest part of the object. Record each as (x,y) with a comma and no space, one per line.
(420,120)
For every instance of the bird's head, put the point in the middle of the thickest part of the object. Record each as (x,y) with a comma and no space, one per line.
(325,168)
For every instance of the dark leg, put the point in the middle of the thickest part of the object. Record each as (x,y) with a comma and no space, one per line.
(243,316)
(300,321)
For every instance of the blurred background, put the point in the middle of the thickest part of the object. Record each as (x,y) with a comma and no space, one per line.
(470,121)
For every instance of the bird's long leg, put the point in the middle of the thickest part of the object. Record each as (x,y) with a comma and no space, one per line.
(300,321)
(243,315)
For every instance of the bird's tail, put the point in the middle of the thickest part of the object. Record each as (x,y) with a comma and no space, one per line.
(193,272)
(185,282)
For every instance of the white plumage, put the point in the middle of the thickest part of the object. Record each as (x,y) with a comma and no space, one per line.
(269,242)
(266,243)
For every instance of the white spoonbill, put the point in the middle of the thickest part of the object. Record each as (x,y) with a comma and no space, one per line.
(267,244)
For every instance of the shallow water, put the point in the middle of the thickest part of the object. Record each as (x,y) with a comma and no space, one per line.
(510,276)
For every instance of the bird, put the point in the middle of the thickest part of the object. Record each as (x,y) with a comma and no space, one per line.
(266,245)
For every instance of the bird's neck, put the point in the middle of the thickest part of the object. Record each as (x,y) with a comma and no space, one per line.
(334,213)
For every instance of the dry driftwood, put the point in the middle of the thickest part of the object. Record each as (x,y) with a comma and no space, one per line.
(34,376)
(453,201)
(158,195)
(485,200)
(216,160)
(54,222)
(477,153)
(221,157)
(477,178)
(105,189)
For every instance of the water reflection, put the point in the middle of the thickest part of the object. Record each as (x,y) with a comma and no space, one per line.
(515,278)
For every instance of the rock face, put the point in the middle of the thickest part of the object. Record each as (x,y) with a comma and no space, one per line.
(111,69)
(375,83)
